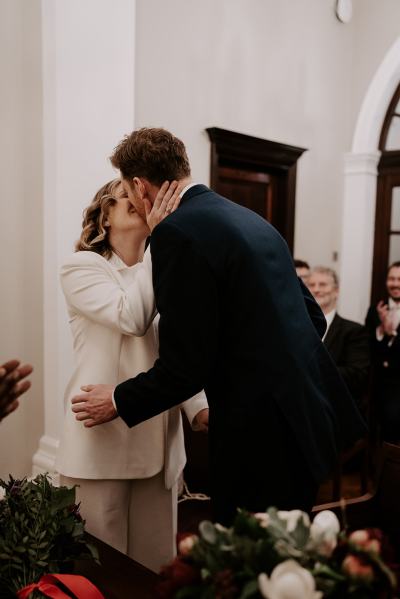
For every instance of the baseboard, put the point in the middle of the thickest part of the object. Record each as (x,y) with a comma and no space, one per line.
(45,458)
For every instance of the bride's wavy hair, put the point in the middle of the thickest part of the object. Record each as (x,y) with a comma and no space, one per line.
(94,236)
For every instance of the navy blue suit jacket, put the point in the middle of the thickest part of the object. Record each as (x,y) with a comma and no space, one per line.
(236,321)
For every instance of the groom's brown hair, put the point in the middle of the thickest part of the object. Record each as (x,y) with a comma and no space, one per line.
(154,154)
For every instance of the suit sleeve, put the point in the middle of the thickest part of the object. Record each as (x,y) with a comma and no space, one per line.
(372,322)
(193,406)
(91,290)
(355,361)
(187,301)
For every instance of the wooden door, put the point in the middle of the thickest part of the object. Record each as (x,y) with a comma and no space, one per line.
(258,174)
(387,230)
(250,189)
(387,215)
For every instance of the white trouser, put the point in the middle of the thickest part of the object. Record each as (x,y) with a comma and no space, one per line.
(138,517)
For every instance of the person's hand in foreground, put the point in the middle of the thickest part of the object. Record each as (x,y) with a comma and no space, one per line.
(95,406)
(12,385)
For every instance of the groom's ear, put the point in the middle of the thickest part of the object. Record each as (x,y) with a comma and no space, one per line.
(139,187)
(144,188)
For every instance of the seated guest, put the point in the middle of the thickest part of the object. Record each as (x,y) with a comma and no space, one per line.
(302,270)
(346,341)
(12,385)
(383,324)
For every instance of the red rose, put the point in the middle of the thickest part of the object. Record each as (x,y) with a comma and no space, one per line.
(176,575)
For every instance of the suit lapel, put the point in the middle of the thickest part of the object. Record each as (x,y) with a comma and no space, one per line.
(332,333)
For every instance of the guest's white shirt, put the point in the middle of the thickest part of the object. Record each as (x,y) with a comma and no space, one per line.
(329,316)
(186,188)
(111,308)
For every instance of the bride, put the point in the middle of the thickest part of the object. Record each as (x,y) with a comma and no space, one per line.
(127,477)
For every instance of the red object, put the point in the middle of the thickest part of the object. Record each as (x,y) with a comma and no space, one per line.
(81,587)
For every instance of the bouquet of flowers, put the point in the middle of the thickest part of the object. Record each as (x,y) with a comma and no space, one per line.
(279,555)
(41,531)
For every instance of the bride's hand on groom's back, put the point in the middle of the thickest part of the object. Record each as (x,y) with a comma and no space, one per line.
(167,200)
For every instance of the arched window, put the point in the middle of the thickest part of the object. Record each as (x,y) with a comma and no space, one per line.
(387,219)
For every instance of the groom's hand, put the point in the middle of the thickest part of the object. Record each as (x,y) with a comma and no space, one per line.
(201,420)
(95,406)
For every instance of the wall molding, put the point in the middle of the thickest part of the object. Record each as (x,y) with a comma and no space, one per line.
(360,183)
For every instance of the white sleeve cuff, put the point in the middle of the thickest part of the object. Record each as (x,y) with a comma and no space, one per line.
(113,401)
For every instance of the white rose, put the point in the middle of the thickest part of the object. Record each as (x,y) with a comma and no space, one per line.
(324,531)
(288,581)
(292,517)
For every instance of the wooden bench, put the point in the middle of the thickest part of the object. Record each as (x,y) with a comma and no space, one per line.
(118,576)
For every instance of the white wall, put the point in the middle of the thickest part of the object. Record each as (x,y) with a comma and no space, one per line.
(67,99)
(277,70)
(286,71)
(88,98)
(21,317)
(377,26)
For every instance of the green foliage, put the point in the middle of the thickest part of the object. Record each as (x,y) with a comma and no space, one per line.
(225,563)
(41,531)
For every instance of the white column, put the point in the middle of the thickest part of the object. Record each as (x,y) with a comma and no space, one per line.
(360,174)
(88,105)
(360,179)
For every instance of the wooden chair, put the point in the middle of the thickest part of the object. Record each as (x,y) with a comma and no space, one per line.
(361,451)
(380,508)
(193,507)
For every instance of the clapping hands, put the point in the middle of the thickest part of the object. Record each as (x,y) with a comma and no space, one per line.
(386,318)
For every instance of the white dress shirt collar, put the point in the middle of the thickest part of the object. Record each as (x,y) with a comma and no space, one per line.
(186,188)
(329,319)
(118,263)
(393,305)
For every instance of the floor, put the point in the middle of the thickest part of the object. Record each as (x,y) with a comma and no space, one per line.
(192,512)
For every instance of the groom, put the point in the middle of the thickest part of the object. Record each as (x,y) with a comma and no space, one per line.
(236,321)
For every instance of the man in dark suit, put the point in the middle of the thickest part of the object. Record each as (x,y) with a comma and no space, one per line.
(302,270)
(346,341)
(383,323)
(234,320)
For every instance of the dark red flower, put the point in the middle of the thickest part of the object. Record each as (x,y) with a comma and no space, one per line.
(176,575)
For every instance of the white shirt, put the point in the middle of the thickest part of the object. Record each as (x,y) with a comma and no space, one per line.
(329,319)
(186,188)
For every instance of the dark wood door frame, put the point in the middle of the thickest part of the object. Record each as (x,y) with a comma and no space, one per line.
(388,177)
(235,150)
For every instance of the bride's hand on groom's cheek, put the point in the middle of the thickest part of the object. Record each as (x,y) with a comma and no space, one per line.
(166,201)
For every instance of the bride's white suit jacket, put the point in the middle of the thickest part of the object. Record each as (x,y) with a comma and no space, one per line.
(111,312)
